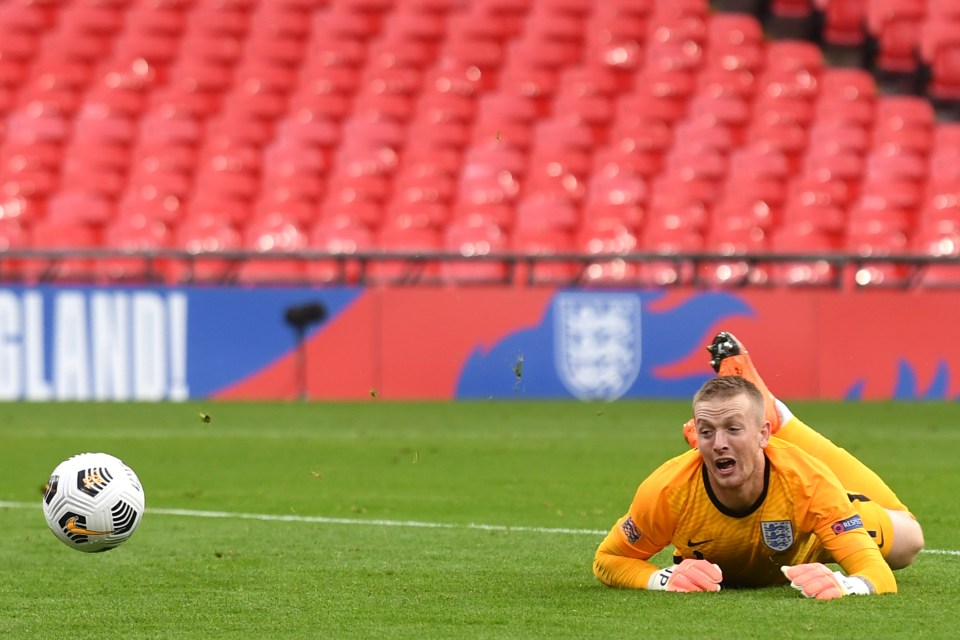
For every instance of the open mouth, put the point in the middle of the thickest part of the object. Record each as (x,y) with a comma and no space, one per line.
(725,465)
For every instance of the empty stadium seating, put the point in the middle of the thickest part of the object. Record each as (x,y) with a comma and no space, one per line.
(543,127)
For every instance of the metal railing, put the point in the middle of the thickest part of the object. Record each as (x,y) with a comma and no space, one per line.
(407,268)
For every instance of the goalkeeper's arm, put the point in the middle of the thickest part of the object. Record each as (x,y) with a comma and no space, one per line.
(616,565)
(866,574)
(816,580)
(686,577)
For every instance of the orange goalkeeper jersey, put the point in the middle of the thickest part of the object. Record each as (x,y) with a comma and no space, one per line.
(803,515)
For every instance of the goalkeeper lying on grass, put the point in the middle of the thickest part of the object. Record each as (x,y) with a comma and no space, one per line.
(764,500)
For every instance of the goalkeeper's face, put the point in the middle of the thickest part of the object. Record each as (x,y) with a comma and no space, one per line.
(731,436)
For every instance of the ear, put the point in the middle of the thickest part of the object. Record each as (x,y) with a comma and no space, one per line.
(764,434)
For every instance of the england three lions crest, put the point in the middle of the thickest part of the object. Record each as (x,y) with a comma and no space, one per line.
(777,534)
(597,343)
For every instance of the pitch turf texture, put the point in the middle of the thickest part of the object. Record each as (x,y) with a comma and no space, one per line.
(451,520)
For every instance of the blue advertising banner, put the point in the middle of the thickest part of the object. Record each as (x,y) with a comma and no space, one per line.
(59,343)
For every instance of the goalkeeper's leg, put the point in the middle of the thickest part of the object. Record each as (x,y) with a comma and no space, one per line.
(854,475)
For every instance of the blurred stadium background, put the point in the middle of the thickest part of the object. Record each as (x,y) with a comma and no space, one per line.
(527,127)
(729,145)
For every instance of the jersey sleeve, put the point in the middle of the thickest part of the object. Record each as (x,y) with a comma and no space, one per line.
(622,559)
(840,530)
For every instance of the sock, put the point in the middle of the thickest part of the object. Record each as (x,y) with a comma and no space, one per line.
(785,414)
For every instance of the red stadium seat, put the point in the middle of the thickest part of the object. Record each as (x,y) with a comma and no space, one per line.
(846,95)
(294,171)
(791,8)
(473,238)
(396,237)
(940,52)
(895,24)
(13,235)
(697,162)
(734,30)
(823,220)
(850,84)
(490,181)
(788,138)
(720,81)
(639,144)
(51,234)
(203,237)
(704,132)
(616,194)
(871,239)
(548,248)
(546,212)
(82,207)
(557,175)
(628,156)
(615,41)
(680,201)
(133,234)
(24,18)
(798,57)
(938,245)
(671,56)
(735,242)
(812,249)
(843,21)
(941,214)
(728,110)
(612,238)
(344,237)
(886,203)
(667,242)
(494,157)
(896,166)
(842,135)
(272,234)
(657,95)
(842,168)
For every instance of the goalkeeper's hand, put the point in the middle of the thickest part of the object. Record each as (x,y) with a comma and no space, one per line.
(690,575)
(817,581)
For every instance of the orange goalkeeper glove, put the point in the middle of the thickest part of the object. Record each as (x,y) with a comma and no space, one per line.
(817,581)
(690,575)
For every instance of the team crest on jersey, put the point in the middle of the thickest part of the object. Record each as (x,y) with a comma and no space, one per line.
(597,343)
(777,534)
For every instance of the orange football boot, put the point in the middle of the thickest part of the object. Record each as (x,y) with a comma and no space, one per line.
(730,358)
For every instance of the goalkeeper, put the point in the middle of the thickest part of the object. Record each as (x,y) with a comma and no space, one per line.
(750,509)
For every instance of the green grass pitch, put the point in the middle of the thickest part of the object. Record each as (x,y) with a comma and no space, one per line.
(422,520)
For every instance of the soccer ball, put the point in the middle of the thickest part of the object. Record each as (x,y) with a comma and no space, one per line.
(93,502)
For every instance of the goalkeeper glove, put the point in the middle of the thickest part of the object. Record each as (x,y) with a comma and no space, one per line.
(689,575)
(817,581)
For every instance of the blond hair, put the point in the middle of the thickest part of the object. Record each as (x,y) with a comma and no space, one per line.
(727,387)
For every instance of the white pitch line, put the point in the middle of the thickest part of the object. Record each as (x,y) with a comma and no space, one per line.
(267,517)
(359,521)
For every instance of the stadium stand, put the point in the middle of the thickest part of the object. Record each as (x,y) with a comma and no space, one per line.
(559,128)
